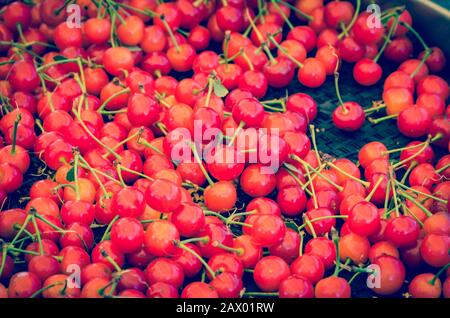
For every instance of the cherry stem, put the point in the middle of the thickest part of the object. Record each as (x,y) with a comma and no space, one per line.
(300,247)
(345,29)
(22,229)
(314,141)
(442,169)
(253,25)
(43,289)
(374,109)
(210,90)
(108,229)
(334,184)
(388,39)
(285,18)
(43,219)
(336,87)
(38,235)
(408,171)
(146,12)
(194,253)
(236,133)
(320,218)
(421,150)
(200,163)
(444,268)
(103,105)
(268,294)
(394,190)
(284,51)
(309,225)
(247,60)
(226,42)
(316,205)
(413,200)
(14,141)
(338,257)
(171,35)
(111,260)
(237,251)
(407,211)
(292,173)
(386,198)
(350,281)
(379,120)
(203,239)
(345,173)
(374,189)
(425,46)
(294,8)
(149,145)
(75,173)
(97,178)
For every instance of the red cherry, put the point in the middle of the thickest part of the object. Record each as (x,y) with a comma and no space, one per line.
(313,73)
(434,250)
(127,234)
(270,272)
(160,237)
(199,290)
(333,287)
(414,121)
(164,270)
(349,116)
(296,287)
(189,219)
(288,249)
(367,72)
(163,195)
(257,181)
(268,230)
(292,200)
(392,275)
(227,285)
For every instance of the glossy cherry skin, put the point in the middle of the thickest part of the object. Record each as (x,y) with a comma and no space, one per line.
(251,253)
(434,249)
(268,230)
(436,60)
(392,275)
(322,248)
(292,200)
(257,181)
(348,116)
(23,76)
(313,73)
(160,237)
(225,163)
(227,285)
(279,72)
(269,272)
(199,290)
(364,219)
(365,34)
(189,219)
(255,82)
(164,270)
(296,287)
(367,72)
(371,151)
(414,121)
(333,287)
(127,234)
(220,196)
(163,195)
(420,286)
(301,102)
(23,285)
(128,202)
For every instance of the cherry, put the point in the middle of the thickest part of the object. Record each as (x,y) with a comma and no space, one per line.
(292,200)
(438,223)
(190,263)
(288,249)
(414,121)
(329,57)
(363,33)
(338,13)
(97,31)
(399,49)
(189,219)
(371,151)
(78,234)
(332,287)
(410,66)
(159,238)
(425,286)
(104,250)
(349,116)
(97,288)
(367,72)
(434,249)
(411,153)
(23,285)
(424,175)
(161,290)
(226,262)
(55,287)
(127,234)
(322,248)
(399,79)
(220,196)
(301,102)
(355,247)
(434,104)
(433,84)
(255,82)
(230,18)
(17,13)
(305,35)
(296,287)
(268,230)
(227,285)
(199,290)
(43,266)
(270,272)
(23,76)
(199,37)
(392,275)
(256,181)
(163,195)
(10,177)
(351,51)
(65,36)
(313,73)
(279,72)
(436,60)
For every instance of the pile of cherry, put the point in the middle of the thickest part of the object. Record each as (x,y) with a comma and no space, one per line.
(111,213)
